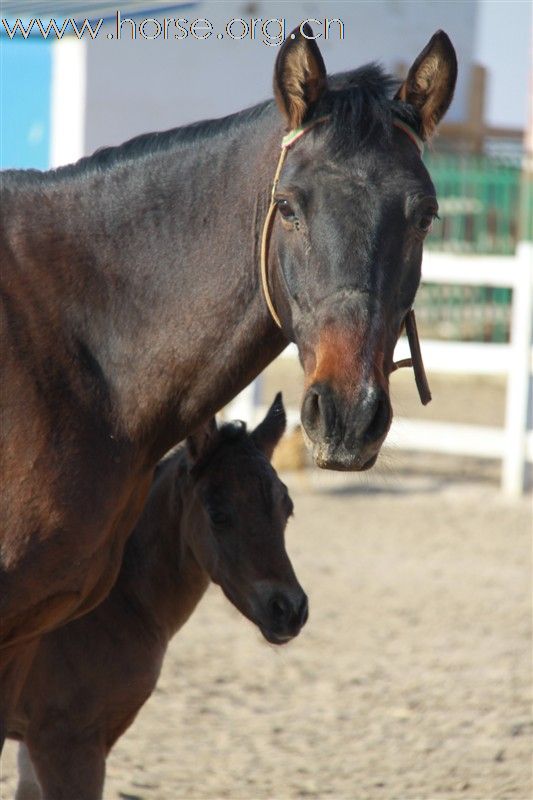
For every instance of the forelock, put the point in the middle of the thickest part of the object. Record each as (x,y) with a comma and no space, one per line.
(360,107)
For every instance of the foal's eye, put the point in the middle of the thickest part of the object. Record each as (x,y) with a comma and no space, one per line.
(218,517)
(285,209)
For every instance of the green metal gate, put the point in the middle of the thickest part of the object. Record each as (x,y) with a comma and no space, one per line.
(479,201)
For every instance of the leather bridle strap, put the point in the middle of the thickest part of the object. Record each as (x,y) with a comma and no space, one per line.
(411,330)
(410,322)
(415,361)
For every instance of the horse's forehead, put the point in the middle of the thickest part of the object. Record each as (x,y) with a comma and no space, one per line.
(370,166)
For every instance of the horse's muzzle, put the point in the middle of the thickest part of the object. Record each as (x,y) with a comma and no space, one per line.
(343,435)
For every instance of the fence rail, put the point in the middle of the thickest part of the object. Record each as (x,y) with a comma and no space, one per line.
(479,200)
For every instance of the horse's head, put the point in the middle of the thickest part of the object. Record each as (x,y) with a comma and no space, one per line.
(354,203)
(235,523)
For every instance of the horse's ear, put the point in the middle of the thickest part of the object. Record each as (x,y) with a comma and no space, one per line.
(200,440)
(430,83)
(268,433)
(299,75)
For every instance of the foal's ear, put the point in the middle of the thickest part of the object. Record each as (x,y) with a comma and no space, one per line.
(268,433)
(299,75)
(200,440)
(430,83)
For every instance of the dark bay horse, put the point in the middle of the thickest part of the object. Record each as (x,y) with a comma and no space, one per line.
(217,512)
(133,308)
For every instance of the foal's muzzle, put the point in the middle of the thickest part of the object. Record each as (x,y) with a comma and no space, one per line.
(282,613)
(344,435)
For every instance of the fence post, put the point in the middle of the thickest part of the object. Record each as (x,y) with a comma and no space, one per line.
(519,377)
(68,107)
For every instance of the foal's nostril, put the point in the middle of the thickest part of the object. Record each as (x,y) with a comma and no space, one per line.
(279,608)
(287,612)
(303,612)
(380,420)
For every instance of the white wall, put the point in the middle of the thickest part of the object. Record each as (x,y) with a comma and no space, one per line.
(503,45)
(138,86)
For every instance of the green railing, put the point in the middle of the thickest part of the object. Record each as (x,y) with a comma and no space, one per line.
(479,201)
(465,313)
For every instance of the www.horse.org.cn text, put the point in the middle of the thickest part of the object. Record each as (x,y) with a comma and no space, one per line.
(271,32)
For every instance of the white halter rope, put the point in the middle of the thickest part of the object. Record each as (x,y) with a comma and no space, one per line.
(286,143)
(410,322)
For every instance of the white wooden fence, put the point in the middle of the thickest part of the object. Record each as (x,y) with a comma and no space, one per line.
(513,443)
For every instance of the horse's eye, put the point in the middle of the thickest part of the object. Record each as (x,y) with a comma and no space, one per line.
(425,221)
(285,209)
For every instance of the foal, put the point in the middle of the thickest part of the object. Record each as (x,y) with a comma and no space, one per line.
(216,511)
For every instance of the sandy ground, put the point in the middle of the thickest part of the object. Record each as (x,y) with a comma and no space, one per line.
(412,679)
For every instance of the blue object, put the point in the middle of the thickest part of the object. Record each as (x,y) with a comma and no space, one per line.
(25,89)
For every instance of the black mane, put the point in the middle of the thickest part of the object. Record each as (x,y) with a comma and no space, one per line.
(359,103)
(145,144)
(162,141)
(234,434)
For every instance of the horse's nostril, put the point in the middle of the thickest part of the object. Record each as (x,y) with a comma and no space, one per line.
(311,416)
(319,413)
(380,420)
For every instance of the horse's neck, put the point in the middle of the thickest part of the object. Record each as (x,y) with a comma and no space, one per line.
(160,577)
(173,313)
